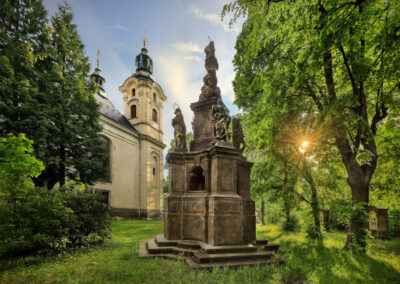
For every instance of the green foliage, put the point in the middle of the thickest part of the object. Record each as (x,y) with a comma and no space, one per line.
(327,71)
(23,31)
(291,224)
(45,92)
(394,224)
(17,167)
(339,214)
(313,232)
(36,219)
(50,221)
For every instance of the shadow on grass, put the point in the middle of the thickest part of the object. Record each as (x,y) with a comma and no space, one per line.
(313,261)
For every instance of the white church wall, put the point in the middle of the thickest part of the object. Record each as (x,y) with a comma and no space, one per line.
(124,163)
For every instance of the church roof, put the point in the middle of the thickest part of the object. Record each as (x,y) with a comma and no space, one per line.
(108,110)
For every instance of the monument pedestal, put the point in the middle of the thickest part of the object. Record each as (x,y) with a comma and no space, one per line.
(209,197)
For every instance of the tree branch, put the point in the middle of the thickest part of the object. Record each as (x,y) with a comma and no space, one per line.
(346,63)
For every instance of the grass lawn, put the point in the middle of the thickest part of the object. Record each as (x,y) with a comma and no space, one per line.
(117,261)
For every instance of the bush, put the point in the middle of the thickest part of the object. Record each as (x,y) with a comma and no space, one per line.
(40,220)
(339,215)
(291,225)
(313,232)
(52,221)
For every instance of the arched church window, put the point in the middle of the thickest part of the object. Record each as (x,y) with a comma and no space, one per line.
(133,111)
(155,175)
(154,97)
(106,163)
(133,92)
(154,115)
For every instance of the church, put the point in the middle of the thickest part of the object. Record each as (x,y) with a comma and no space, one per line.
(132,185)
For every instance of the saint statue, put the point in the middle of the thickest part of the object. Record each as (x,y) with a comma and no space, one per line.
(179,130)
(221,120)
(210,88)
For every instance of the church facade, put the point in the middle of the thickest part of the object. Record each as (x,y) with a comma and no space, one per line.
(132,185)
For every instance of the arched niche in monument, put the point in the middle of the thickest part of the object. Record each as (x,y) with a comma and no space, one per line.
(197,179)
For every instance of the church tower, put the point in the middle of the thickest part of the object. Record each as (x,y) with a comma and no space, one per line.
(143,101)
(143,98)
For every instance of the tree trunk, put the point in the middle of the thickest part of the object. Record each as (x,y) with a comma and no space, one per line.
(359,185)
(314,195)
(325,218)
(315,207)
(262,211)
(62,166)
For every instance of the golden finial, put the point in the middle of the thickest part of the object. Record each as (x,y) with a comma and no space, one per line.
(98,58)
(144,39)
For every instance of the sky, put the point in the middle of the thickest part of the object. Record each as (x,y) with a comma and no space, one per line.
(176,31)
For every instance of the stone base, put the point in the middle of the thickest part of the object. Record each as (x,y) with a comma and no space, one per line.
(201,255)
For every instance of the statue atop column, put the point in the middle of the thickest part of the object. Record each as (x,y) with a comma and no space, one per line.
(179,130)
(210,88)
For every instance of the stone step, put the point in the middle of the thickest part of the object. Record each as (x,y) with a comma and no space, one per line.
(233,264)
(189,244)
(144,252)
(271,247)
(202,257)
(153,248)
(163,242)
(261,242)
(227,249)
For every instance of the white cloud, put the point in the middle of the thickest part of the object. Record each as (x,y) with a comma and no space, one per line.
(192,57)
(214,18)
(118,27)
(187,47)
(122,45)
(181,82)
(225,84)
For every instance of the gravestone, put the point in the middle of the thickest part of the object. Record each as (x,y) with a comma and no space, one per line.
(208,213)
(378,222)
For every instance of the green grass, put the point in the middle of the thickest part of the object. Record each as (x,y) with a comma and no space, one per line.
(117,261)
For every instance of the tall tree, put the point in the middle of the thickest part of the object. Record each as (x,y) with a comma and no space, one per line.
(337,61)
(23,34)
(74,147)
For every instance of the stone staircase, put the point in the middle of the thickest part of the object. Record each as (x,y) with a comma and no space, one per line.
(202,255)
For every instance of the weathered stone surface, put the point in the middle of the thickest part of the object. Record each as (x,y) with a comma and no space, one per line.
(211,196)
(378,222)
(200,255)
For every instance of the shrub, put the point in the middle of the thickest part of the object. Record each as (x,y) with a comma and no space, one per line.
(291,225)
(40,220)
(313,232)
(339,215)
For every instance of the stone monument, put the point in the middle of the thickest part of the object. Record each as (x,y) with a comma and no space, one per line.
(378,222)
(208,213)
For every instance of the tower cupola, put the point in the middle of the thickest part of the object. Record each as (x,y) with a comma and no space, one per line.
(144,64)
(98,78)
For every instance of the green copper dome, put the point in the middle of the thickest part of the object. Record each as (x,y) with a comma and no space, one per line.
(144,65)
(99,80)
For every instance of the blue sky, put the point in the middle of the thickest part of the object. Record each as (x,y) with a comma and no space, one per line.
(177,32)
